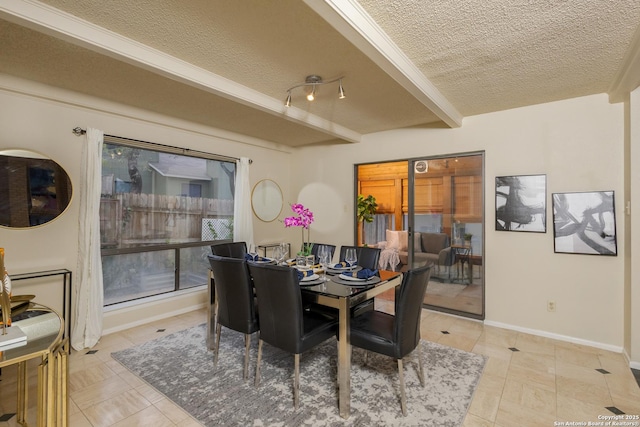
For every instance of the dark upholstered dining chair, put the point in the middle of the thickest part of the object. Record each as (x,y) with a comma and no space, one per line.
(368,257)
(283,322)
(231,250)
(236,303)
(396,335)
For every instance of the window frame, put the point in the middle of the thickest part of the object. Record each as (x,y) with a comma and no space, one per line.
(156,247)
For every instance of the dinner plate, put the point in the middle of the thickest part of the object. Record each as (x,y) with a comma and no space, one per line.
(333,267)
(356,283)
(310,278)
(340,270)
(355,279)
(264,260)
(311,283)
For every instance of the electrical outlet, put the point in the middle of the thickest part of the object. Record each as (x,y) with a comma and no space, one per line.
(551,306)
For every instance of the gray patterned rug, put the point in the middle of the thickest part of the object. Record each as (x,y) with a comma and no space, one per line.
(180,366)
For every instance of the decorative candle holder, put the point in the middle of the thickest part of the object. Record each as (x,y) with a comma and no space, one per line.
(5,297)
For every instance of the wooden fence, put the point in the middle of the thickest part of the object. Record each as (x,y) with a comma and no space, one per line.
(130,218)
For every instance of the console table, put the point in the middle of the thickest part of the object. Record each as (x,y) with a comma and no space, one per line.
(265,246)
(44,329)
(66,290)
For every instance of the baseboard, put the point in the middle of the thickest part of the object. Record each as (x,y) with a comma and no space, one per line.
(140,312)
(565,338)
(146,320)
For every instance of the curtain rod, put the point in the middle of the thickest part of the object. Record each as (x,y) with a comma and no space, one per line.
(78,131)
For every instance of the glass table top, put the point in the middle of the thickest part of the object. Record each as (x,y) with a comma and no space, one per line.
(42,326)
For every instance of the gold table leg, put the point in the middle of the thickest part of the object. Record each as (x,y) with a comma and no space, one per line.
(23,395)
(42,393)
(63,397)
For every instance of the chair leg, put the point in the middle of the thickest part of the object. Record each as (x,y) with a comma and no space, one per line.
(257,383)
(420,364)
(247,344)
(296,381)
(217,344)
(403,399)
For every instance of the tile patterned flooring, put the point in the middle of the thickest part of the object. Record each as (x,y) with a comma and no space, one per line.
(528,380)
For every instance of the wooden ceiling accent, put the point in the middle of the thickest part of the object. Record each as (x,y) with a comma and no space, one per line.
(459,166)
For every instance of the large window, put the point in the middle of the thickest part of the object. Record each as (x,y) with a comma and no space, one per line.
(159,213)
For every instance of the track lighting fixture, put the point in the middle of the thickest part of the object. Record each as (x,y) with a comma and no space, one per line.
(313,81)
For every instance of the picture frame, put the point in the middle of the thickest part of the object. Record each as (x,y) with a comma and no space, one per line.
(521,203)
(585,223)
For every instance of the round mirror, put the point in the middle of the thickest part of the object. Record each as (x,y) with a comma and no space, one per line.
(266,200)
(33,189)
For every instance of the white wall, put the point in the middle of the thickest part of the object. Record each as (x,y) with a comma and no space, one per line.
(41,118)
(578,143)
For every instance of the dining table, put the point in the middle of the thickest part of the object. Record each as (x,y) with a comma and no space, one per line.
(329,288)
(343,294)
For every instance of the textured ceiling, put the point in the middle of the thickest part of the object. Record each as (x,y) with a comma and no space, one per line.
(493,55)
(479,57)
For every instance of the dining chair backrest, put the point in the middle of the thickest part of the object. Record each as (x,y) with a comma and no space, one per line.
(231,250)
(316,247)
(234,294)
(279,306)
(368,257)
(408,307)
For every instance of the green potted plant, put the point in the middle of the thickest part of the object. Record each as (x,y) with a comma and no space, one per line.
(366,209)
(467,237)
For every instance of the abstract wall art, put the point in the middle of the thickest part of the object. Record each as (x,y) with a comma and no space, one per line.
(521,203)
(584,223)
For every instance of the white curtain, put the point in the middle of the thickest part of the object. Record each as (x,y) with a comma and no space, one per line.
(242,214)
(87,316)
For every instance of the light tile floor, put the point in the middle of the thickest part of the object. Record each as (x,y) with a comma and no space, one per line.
(528,380)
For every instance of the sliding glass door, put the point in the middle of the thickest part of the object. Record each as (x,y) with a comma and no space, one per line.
(431,210)
(445,224)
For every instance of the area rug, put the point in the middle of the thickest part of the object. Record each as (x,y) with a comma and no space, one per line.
(180,366)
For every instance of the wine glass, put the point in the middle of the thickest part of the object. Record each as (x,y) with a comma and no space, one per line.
(322,249)
(285,250)
(277,255)
(351,257)
(325,261)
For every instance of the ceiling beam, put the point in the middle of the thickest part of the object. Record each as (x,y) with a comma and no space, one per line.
(59,24)
(354,23)
(628,76)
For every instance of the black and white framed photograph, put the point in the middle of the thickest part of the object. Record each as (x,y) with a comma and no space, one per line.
(521,203)
(584,223)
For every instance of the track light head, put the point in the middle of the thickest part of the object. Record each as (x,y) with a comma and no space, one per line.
(341,91)
(312,95)
(287,103)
